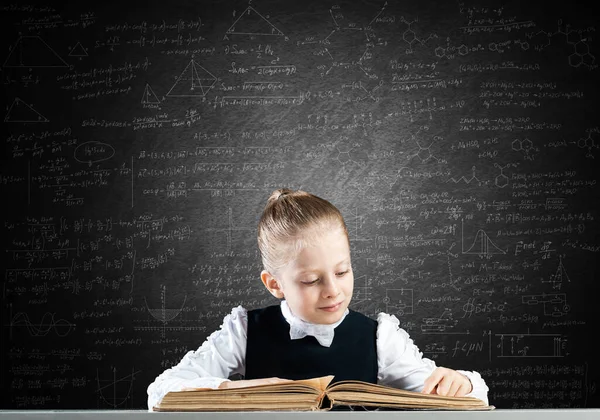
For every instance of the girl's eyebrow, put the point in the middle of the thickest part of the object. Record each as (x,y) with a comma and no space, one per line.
(308,270)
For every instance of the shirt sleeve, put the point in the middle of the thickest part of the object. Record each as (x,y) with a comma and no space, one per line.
(402,365)
(222,354)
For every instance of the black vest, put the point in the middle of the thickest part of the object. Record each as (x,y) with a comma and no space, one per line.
(271,352)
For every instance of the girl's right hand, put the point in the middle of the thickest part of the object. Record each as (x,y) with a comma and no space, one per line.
(251,382)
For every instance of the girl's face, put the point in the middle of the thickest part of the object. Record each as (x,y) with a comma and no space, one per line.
(318,283)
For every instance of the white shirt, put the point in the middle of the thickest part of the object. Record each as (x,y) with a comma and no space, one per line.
(400,363)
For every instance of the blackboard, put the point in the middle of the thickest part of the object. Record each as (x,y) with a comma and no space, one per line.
(460,140)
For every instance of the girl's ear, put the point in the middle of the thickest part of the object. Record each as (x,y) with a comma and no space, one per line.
(272,284)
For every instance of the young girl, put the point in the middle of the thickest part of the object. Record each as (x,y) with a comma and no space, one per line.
(305,250)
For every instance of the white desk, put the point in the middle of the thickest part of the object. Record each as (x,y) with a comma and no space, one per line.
(498,414)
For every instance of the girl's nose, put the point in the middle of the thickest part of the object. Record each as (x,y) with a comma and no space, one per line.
(330,287)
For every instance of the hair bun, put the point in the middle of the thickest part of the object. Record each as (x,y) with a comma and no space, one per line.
(277,194)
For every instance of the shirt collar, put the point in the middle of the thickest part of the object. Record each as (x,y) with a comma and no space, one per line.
(299,328)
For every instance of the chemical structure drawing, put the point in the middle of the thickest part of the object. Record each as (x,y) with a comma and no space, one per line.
(409,36)
(524,345)
(472,178)
(116,392)
(501,47)
(20,112)
(525,146)
(590,142)
(194,81)
(578,39)
(364,92)
(251,23)
(33,51)
(349,45)
(346,157)
(424,154)
(452,51)
(502,180)
(482,245)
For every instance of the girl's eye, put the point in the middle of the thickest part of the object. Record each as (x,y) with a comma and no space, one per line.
(340,274)
(309,282)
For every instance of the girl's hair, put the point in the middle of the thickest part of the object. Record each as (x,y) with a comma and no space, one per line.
(292,220)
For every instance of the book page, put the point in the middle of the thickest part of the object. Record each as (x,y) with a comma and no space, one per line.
(317,384)
(357,392)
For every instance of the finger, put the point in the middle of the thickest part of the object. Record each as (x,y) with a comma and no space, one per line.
(464,389)
(454,387)
(432,381)
(444,385)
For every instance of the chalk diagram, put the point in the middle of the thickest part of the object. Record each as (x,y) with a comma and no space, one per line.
(555,304)
(525,146)
(348,45)
(578,39)
(49,323)
(164,317)
(149,97)
(529,345)
(20,112)
(399,301)
(410,37)
(33,51)
(251,22)
(424,154)
(444,324)
(355,222)
(559,277)
(468,180)
(117,391)
(482,245)
(78,51)
(229,230)
(362,290)
(590,142)
(501,180)
(348,155)
(193,81)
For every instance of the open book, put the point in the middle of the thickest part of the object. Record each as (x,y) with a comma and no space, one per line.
(311,395)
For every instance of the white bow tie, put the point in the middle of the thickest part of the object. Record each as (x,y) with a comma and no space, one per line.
(324,333)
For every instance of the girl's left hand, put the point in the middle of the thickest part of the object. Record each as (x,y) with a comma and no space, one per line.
(447,382)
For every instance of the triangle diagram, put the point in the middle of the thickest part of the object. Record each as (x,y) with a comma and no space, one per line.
(78,51)
(250,22)
(20,112)
(32,51)
(194,80)
(561,274)
(149,96)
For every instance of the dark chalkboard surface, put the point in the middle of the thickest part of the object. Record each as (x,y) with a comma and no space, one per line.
(460,139)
